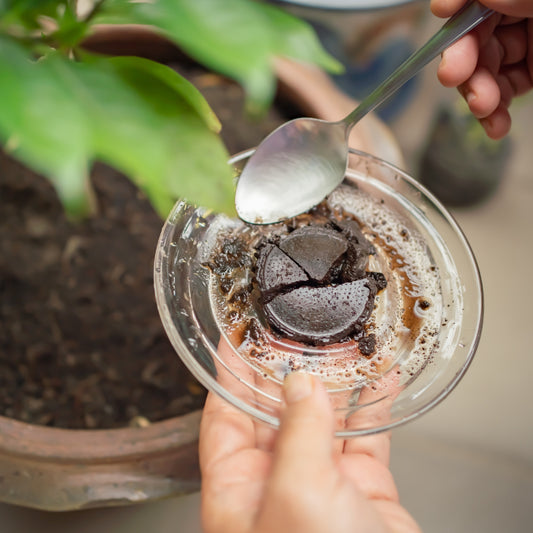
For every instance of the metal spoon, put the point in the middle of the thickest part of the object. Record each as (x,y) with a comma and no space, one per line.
(301,162)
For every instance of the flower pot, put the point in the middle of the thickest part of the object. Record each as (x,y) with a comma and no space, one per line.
(60,469)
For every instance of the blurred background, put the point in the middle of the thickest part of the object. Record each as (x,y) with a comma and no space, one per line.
(466,466)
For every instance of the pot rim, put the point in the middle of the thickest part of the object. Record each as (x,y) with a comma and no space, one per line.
(44,443)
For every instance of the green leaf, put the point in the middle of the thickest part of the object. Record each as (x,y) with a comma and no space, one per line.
(238,38)
(42,124)
(179,155)
(297,40)
(180,85)
(59,116)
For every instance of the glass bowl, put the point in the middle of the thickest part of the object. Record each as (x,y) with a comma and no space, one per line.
(427,321)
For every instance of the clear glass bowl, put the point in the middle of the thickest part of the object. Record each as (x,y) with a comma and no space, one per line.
(427,321)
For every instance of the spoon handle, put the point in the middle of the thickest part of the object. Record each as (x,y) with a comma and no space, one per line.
(455,27)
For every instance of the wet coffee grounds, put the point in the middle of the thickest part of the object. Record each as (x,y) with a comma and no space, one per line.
(307,280)
(315,287)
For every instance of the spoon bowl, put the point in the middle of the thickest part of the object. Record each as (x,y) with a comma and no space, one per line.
(284,159)
(305,159)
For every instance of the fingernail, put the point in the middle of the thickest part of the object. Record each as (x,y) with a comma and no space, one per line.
(297,386)
(470,97)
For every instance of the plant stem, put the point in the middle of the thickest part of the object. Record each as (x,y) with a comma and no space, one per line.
(94,11)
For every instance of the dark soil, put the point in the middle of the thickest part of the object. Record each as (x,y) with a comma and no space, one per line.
(81,343)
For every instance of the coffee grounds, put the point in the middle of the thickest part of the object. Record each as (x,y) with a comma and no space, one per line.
(314,284)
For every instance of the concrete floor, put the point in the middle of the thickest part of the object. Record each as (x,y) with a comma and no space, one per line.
(467,466)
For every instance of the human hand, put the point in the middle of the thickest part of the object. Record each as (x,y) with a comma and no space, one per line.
(492,64)
(300,479)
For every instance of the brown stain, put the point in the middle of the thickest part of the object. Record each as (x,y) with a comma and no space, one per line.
(397,263)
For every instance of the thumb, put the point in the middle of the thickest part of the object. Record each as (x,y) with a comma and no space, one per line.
(306,431)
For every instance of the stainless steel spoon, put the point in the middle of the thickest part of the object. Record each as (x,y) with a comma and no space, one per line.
(301,162)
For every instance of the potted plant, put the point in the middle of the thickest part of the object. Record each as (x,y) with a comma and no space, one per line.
(88,100)
(85,120)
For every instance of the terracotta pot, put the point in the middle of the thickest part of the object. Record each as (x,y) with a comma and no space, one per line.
(60,469)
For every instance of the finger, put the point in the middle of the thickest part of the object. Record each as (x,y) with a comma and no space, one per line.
(482,93)
(519,78)
(458,61)
(491,56)
(376,446)
(396,517)
(374,410)
(516,8)
(305,439)
(233,471)
(370,476)
(233,374)
(507,92)
(514,41)
(237,379)
(485,31)
(498,124)
(341,401)
(270,388)
(265,437)
(224,430)
(366,459)
(446,8)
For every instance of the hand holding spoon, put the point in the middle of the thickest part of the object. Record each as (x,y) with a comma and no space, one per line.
(302,161)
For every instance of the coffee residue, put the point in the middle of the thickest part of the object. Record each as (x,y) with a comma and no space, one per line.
(314,285)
